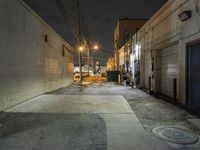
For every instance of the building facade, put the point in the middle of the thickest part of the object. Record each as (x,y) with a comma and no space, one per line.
(34,59)
(125,64)
(169,50)
(124,30)
(110,64)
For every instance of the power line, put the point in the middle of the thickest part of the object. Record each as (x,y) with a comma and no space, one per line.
(62,10)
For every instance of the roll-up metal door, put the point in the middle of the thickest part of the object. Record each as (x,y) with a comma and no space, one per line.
(169,69)
(147,69)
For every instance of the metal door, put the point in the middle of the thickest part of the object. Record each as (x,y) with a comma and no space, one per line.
(169,69)
(194,77)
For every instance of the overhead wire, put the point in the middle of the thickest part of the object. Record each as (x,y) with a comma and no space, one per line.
(74,29)
(86,27)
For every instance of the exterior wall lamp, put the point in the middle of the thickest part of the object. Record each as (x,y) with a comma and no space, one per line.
(137,47)
(185,15)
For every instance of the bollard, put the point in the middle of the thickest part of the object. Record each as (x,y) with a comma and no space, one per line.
(149,84)
(174,91)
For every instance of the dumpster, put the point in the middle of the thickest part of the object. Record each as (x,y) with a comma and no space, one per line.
(113,76)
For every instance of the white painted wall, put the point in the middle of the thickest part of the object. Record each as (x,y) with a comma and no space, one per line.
(163,30)
(28,65)
(121,56)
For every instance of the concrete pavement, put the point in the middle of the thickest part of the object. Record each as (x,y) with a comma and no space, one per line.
(96,117)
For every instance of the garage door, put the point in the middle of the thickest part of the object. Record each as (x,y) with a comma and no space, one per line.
(169,68)
(194,77)
(147,69)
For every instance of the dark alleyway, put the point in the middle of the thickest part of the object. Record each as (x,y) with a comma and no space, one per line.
(68,72)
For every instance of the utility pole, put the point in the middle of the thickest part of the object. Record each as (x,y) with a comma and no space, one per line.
(88,54)
(79,40)
(94,65)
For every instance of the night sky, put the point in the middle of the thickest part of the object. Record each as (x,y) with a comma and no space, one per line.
(99,16)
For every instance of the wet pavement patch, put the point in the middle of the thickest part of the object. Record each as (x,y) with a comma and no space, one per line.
(50,131)
(175,134)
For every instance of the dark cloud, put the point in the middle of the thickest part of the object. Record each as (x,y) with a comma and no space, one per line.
(100,17)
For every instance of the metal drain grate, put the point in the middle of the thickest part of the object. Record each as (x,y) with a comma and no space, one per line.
(175,135)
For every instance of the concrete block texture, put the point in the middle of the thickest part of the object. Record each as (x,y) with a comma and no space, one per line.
(29,65)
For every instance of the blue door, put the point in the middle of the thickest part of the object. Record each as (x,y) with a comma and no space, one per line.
(194,77)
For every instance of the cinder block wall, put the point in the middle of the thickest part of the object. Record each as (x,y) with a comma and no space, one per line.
(29,66)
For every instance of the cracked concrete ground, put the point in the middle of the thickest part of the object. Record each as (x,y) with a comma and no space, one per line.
(99,116)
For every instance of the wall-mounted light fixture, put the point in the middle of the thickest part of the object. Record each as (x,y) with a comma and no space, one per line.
(185,15)
(137,49)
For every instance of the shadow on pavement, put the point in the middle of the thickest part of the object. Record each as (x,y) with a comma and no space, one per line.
(49,131)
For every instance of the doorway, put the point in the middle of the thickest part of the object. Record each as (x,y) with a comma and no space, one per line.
(193,77)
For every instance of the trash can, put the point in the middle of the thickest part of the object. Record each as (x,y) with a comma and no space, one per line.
(113,76)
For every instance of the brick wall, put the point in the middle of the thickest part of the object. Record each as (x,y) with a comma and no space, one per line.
(29,66)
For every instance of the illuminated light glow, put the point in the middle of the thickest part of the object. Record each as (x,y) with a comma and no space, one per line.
(137,47)
(81,48)
(96,47)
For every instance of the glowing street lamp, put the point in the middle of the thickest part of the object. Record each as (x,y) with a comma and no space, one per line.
(81,48)
(96,47)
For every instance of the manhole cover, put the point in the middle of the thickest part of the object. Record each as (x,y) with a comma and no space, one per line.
(175,135)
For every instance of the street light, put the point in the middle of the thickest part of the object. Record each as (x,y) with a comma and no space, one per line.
(96,47)
(81,48)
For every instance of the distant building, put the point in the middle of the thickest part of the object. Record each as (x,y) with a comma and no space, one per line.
(124,29)
(102,69)
(126,61)
(85,61)
(76,69)
(121,58)
(110,64)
